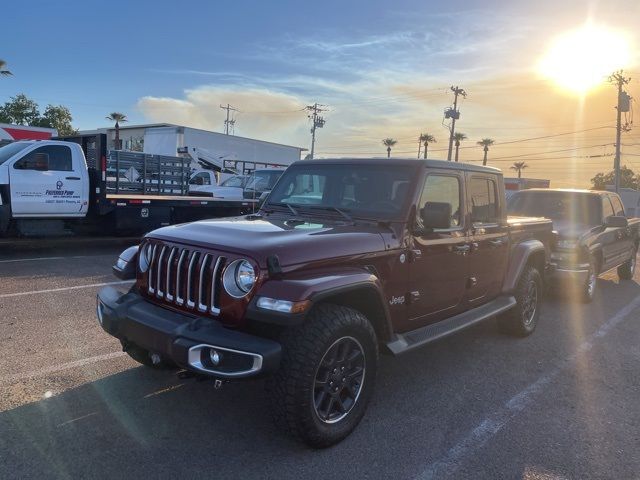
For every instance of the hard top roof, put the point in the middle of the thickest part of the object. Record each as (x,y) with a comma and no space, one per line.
(401,161)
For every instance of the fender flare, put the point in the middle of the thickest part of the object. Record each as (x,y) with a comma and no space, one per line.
(316,287)
(519,259)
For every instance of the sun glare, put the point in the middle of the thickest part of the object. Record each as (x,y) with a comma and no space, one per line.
(581,59)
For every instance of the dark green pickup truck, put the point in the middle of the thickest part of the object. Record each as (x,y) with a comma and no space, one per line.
(593,233)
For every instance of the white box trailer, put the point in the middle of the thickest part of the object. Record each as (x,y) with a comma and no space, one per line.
(11,133)
(171,140)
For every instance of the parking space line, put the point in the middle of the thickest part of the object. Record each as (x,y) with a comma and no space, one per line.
(58,368)
(36,259)
(63,289)
(491,425)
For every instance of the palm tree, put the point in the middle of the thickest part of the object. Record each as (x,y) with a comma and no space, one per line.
(117,117)
(519,166)
(458,137)
(3,70)
(389,142)
(486,143)
(426,139)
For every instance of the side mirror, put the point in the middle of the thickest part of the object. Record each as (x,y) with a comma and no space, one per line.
(436,215)
(616,222)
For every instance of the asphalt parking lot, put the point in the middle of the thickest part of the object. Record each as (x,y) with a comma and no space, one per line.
(562,403)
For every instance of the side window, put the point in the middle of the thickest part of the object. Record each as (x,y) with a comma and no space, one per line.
(200,179)
(617,205)
(484,205)
(607,209)
(59,158)
(441,189)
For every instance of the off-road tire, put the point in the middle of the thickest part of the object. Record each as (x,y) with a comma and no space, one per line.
(143,357)
(291,390)
(628,268)
(589,287)
(520,320)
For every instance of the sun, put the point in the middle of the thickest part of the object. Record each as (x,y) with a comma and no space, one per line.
(581,59)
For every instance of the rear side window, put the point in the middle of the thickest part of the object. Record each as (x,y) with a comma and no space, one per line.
(484,204)
(617,205)
(441,189)
(59,158)
(607,209)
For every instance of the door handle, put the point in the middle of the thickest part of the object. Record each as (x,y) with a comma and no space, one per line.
(462,249)
(496,243)
(72,178)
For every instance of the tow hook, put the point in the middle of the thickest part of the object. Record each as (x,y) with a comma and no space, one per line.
(185,374)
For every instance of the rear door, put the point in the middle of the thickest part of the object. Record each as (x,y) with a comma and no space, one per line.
(438,269)
(54,190)
(488,239)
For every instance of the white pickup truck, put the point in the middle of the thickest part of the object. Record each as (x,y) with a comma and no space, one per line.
(56,187)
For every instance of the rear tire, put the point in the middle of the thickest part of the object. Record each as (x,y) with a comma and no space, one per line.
(326,377)
(627,269)
(522,319)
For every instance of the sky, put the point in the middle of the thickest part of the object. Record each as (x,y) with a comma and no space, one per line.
(383,69)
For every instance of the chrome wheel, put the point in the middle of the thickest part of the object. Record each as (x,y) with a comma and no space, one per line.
(591,283)
(530,303)
(338,380)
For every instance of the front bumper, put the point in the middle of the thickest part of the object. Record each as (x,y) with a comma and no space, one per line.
(578,274)
(195,343)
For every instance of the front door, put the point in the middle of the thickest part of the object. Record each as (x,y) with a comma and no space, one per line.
(438,269)
(488,240)
(611,238)
(45,182)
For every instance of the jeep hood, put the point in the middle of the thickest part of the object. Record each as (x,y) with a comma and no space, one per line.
(293,241)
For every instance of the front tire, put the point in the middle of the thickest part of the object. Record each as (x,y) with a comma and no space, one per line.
(522,319)
(627,269)
(588,289)
(327,376)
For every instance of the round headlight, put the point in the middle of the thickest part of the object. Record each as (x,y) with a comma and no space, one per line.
(143,257)
(238,278)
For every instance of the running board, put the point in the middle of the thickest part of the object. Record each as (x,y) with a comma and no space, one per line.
(404,342)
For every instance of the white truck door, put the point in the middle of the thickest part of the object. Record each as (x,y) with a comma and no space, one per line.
(202,181)
(49,181)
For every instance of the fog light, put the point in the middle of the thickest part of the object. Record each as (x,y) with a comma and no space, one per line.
(215,357)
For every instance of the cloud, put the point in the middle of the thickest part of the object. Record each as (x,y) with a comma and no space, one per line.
(262,113)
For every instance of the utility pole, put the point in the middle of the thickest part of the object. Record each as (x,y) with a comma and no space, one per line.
(228,122)
(453,114)
(624,103)
(316,122)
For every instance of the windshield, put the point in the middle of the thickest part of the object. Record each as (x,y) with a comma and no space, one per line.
(10,150)
(236,181)
(581,208)
(263,180)
(368,191)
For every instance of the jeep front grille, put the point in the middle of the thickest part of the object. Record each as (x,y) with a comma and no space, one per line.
(184,277)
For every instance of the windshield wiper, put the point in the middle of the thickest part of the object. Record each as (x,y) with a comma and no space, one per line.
(288,205)
(344,214)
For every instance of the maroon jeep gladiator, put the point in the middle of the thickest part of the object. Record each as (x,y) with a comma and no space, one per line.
(344,259)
